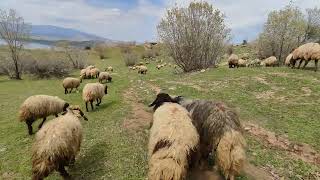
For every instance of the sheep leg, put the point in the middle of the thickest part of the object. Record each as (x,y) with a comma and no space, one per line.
(97,102)
(91,104)
(63,172)
(87,106)
(29,124)
(40,125)
(316,65)
(56,115)
(71,90)
(300,63)
(65,91)
(305,64)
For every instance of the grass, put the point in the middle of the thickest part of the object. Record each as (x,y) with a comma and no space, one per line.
(279,99)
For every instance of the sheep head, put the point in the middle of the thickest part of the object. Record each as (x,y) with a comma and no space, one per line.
(160,99)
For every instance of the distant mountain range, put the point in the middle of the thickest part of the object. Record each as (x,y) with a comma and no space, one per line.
(55,33)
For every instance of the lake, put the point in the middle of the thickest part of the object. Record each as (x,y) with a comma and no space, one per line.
(32,45)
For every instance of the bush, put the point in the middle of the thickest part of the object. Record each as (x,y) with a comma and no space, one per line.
(130,59)
(149,54)
(194,36)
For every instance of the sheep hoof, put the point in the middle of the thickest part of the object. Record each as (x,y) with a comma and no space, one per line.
(97,104)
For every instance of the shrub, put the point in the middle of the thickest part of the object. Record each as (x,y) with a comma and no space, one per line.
(149,54)
(130,58)
(194,36)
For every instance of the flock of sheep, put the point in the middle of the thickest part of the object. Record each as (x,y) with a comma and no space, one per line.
(307,52)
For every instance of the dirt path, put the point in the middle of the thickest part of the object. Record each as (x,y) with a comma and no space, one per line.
(300,151)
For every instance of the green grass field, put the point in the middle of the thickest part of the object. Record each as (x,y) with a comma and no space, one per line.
(281,100)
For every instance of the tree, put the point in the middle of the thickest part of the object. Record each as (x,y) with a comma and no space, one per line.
(284,30)
(195,36)
(313,25)
(15,32)
(100,48)
(75,56)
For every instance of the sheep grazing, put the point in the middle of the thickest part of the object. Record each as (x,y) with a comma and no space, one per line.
(288,60)
(220,133)
(40,106)
(105,76)
(159,66)
(57,144)
(94,73)
(92,92)
(270,62)
(306,52)
(173,140)
(242,63)
(70,83)
(254,63)
(110,69)
(233,61)
(142,70)
(85,73)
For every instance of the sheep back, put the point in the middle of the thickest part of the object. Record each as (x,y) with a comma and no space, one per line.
(92,91)
(70,82)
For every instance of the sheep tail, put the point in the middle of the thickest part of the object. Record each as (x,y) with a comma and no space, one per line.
(231,154)
(166,168)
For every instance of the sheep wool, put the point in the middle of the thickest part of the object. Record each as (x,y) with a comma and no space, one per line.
(92,92)
(220,129)
(57,144)
(142,70)
(270,61)
(94,73)
(172,144)
(306,52)
(242,63)
(105,76)
(110,68)
(288,59)
(70,83)
(40,106)
(233,61)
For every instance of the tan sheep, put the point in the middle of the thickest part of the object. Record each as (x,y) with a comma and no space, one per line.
(90,67)
(254,63)
(233,61)
(242,63)
(40,106)
(70,83)
(288,60)
(220,134)
(159,66)
(306,52)
(92,92)
(110,69)
(57,144)
(142,70)
(94,73)
(173,141)
(83,72)
(105,76)
(270,61)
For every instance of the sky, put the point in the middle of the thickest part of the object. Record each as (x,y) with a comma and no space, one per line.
(136,20)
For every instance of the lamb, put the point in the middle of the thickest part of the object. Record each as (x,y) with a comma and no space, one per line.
(233,61)
(94,73)
(306,52)
(57,144)
(173,140)
(105,76)
(110,68)
(40,106)
(242,63)
(92,92)
(142,70)
(270,61)
(220,133)
(70,83)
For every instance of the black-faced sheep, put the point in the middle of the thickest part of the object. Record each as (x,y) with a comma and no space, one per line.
(70,83)
(233,61)
(57,144)
(110,68)
(142,69)
(92,92)
(270,62)
(40,106)
(220,134)
(306,52)
(173,140)
(104,76)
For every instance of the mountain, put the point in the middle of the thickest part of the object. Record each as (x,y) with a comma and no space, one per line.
(55,33)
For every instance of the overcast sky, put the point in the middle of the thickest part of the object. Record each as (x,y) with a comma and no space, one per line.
(137,19)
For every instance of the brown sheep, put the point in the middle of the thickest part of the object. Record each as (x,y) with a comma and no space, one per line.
(233,61)
(70,83)
(306,52)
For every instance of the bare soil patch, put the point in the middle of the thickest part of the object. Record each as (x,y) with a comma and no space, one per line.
(300,151)
(262,80)
(307,91)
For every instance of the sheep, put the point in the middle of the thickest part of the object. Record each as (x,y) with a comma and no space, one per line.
(173,141)
(83,72)
(70,83)
(92,92)
(142,70)
(94,73)
(105,76)
(147,62)
(233,61)
(288,60)
(245,56)
(90,67)
(306,52)
(159,66)
(57,144)
(140,63)
(254,63)
(270,61)
(220,133)
(242,63)
(110,68)
(40,106)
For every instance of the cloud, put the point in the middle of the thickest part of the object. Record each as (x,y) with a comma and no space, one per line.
(137,19)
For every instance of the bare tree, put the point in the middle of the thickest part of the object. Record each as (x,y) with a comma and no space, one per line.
(75,56)
(195,36)
(100,48)
(15,32)
(313,25)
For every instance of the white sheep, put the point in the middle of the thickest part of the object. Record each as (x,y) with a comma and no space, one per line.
(270,61)
(40,106)
(109,68)
(306,52)
(142,69)
(57,144)
(104,76)
(94,73)
(70,83)
(173,140)
(92,92)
